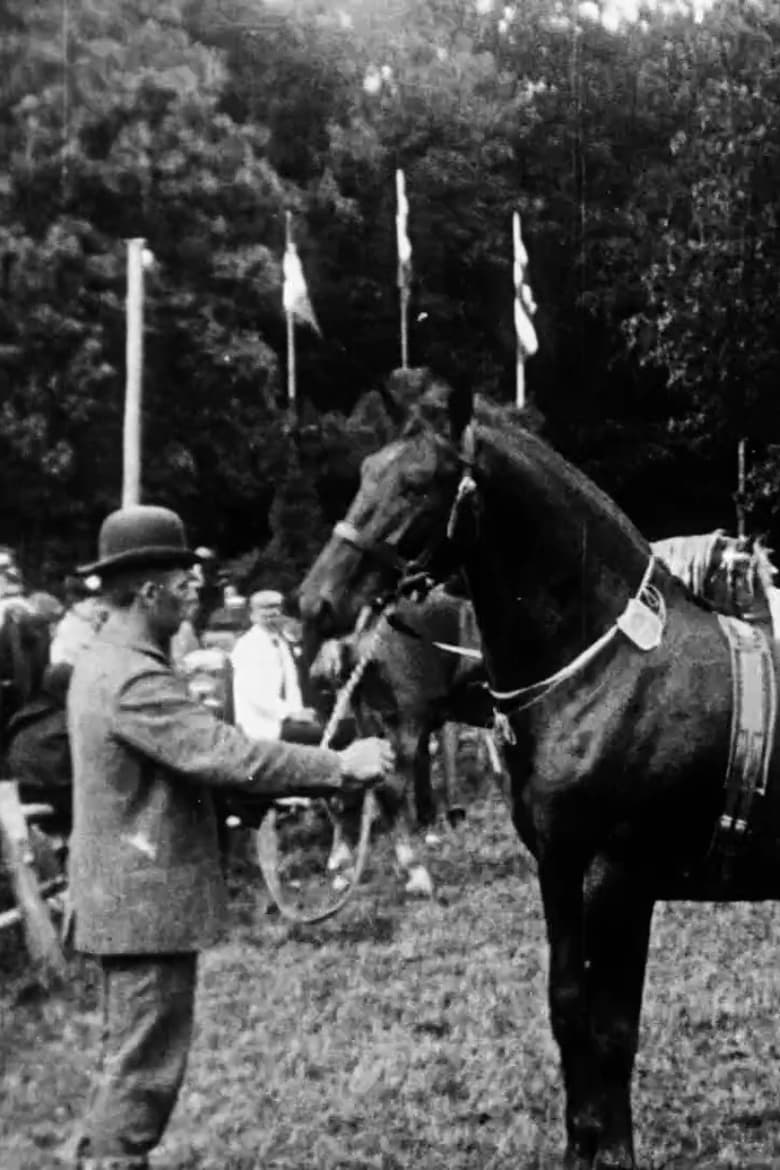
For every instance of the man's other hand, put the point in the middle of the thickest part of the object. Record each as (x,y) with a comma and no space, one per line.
(366,761)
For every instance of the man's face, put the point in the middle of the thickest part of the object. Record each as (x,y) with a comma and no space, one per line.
(270,617)
(167,599)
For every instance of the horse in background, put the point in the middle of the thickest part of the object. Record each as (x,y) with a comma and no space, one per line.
(735,575)
(614,696)
(410,689)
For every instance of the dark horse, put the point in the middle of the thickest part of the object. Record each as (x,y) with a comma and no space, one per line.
(415,682)
(616,754)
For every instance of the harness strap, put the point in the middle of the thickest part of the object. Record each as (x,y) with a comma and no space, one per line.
(754,711)
(402,627)
(380,550)
(642,622)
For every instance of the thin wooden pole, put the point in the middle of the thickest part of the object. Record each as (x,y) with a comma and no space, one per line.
(404,328)
(291,360)
(517,250)
(520,377)
(404,262)
(134,356)
(741,489)
(291,372)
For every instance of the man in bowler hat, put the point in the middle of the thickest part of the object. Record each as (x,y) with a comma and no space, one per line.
(145,880)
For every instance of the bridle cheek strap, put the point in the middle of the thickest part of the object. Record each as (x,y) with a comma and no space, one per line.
(411,577)
(381,551)
(467,485)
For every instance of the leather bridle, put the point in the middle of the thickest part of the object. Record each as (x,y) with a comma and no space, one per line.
(410,576)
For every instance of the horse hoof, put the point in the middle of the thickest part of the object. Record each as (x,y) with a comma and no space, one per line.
(340,858)
(419,884)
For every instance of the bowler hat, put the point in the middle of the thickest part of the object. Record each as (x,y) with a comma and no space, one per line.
(140,536)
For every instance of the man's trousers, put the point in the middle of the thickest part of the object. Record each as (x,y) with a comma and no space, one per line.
(148,1003)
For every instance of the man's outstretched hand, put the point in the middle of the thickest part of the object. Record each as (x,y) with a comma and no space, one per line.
(366,761)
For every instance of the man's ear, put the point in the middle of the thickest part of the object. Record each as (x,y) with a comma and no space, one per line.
(402,392)
(147,591)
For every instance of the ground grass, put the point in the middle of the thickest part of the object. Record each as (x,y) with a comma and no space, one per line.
(405,1035)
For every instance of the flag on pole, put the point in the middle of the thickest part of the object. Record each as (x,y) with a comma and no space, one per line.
(525,305)
(402,233)
(295,294)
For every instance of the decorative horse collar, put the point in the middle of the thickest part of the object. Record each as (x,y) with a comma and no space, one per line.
(642,621)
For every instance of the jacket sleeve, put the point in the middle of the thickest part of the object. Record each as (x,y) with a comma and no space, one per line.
(155,716)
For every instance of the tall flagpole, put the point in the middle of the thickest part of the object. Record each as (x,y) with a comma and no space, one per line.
(524,308)
(404,262)
(134,352)
(291,389)
(741,489)
(517,243)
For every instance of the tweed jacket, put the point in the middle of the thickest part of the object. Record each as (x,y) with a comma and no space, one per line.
(144,866)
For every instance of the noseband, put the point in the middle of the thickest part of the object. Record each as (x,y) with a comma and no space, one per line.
(411,577)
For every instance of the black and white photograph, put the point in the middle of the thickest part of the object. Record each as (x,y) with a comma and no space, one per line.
(389,608)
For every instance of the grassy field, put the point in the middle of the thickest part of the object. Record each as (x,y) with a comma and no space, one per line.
(407,1035)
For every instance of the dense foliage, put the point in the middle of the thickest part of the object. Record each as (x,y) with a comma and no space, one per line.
(644,158)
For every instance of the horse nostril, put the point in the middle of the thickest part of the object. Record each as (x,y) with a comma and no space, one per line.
(326,615)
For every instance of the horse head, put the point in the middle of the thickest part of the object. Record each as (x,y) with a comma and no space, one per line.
(396,522)
(550,559)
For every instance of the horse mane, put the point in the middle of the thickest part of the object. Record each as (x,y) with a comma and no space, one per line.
(515,430)
(431,407)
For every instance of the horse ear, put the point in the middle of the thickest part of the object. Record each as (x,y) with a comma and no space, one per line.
(402,391)
(461,409)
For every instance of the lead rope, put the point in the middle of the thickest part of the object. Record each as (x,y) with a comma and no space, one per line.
(267,841)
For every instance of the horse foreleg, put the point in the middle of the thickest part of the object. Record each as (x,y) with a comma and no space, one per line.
(418,879)
(448,739)
(425,806)
(340,856)
(561,881)
(617,934)
(410,759)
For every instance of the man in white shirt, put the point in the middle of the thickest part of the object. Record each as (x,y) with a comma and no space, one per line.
(266,691)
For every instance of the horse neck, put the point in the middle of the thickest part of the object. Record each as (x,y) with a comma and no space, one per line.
(552,562)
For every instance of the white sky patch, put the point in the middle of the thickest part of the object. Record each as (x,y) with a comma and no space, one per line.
(589,10)
(372,82)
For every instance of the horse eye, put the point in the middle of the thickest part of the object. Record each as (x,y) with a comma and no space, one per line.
(416,485)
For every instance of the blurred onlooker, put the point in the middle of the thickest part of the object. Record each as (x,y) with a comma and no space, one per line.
(84,615)
(47,607)
(11,583)
(227,622)
(185,640)
(209,587)
(266,690)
